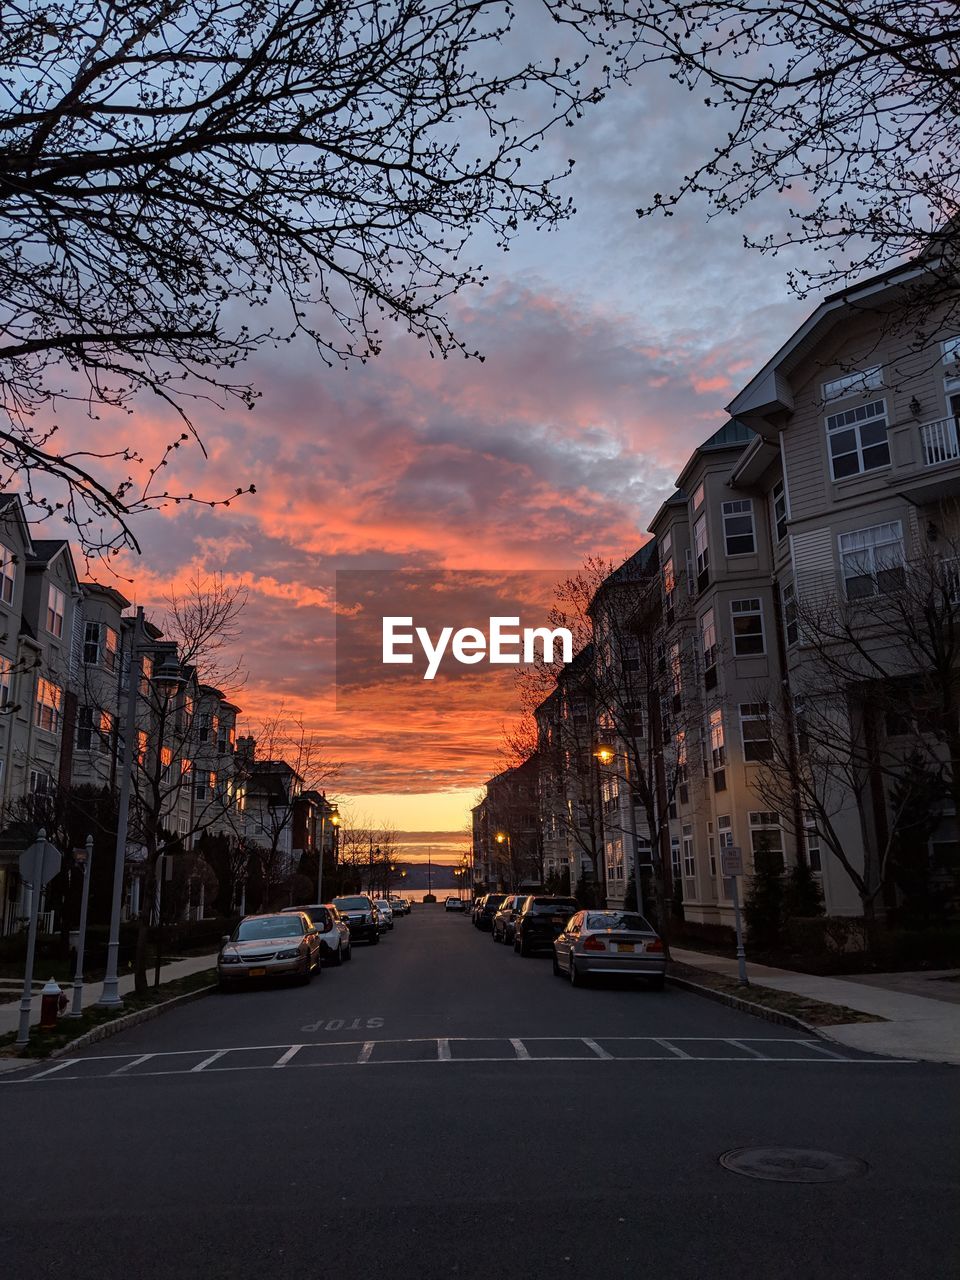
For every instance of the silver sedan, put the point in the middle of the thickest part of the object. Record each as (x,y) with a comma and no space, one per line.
(269,946)
(615,942)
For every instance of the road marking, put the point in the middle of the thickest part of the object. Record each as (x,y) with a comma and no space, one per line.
(206,1062)
(738,1044)
(443,1050)
(285,1057)
(135,1062)
(665,1044)
(366,1051)
(67,1062)
(592,1044)
(822,1048)
(520,1049)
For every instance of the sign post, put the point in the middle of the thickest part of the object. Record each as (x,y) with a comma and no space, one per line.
(84,858)
(731,865)
(38,865)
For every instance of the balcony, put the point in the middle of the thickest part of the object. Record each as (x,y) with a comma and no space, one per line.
(926,459)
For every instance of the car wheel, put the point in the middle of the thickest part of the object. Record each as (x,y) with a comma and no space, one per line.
(657,982)
(576,979)
(516,944)
(375,939)
(524,947)
(349,955)
(303,978)
(556,963)
(338,955)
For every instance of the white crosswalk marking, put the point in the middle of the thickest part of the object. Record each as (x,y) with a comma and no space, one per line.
(592,1044)
(520,1049)
(288,1056)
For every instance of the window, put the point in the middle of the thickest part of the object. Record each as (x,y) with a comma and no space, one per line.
(951,350)
(675,857)
(681,753)
(689,857)
(166,760)
(779,497)
(811,842)
(871,560)
(666,545)
(141,747)
(49,706)
(857,383)
(91,644)
(702,551)
(183,826)
(738,533)
(110,648)
(676,670)
(712,851)
(766,840)
(718,746)
(857,440)
(146,674)
(791,622)
(669,582)
(56,603)
(94,730)
(6,680)
(41,784)
(204,787)
(747,627)
(755,731)
(100,644)
(698,497)
(708,639)
(8,574)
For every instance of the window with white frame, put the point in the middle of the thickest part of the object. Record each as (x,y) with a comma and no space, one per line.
(951,351)
(872,560)
(680,747)
(146,674)
(725,831)
(204,786)
(853,384)
(779,508)
(669,581)
(811,842)
(6,681)
(41,784)
(739,538)
(56,604)
(766,840)
(712,850)
(166,761)
(701,549)
(718,742)
(708,639)
(183,825)
(100,645)
(791,619)
(8,574)
(857,440)
(689,857)
(675,863)
(748,639)
(755,731)
(94,730)
(697,501)
(49,707)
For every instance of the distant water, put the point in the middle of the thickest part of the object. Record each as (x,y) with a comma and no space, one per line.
(439,891)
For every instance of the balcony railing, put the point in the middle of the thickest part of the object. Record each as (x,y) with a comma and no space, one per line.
(940,442)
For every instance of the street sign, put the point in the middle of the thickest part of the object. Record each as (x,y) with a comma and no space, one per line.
(731,862)
(39,864)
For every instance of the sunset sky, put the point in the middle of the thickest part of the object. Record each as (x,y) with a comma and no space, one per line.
(611,348)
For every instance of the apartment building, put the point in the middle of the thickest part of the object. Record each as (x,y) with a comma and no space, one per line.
(507,842)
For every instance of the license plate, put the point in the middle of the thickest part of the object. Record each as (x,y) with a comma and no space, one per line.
(624,946)
(558,920)
(257,973)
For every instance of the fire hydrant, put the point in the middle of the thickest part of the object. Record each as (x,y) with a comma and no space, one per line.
(52,1004)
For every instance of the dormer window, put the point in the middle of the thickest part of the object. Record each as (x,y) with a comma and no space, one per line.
(8,574)
(56,604)
(857,383)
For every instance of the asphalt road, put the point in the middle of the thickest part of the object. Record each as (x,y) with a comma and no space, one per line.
(441,1107)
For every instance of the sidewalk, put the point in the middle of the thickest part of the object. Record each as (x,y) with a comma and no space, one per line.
(10,1012)
(926,1027)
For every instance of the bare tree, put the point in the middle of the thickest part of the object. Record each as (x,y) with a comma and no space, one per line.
(170,169)
(849,110)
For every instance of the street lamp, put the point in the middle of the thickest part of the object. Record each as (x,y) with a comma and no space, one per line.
(168,679)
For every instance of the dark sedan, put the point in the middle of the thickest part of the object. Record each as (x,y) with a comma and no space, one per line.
(540,921)
(488,909)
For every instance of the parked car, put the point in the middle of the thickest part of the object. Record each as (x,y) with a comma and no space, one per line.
(333,930)
(361,916)
(453,904)
(489,905)
(269,946)
(539,921)
(505,920)
(619,942)
(385,909)
(400,906)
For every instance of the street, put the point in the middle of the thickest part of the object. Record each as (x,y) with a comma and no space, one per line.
(474,1115)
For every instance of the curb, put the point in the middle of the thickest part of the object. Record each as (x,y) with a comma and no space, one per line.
(128,1020)
(748,1006)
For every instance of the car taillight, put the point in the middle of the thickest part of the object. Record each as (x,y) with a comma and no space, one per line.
(594,944)
(655,945)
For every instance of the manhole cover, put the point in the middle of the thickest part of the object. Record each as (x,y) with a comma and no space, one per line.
(792,1164)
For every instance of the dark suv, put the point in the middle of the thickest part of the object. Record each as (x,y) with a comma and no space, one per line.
(360,915)
(541,919)
(487,910)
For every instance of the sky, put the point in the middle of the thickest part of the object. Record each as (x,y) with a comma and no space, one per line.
(611,346)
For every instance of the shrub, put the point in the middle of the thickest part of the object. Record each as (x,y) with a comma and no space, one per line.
(763,908)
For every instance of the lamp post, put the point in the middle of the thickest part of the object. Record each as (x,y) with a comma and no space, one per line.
(606,755)
(334,822)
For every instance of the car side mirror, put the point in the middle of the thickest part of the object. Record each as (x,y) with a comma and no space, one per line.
(225,939)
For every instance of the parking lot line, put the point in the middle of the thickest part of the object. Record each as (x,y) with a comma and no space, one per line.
(366,1051)
(134,1062)
(443,1050)
(286,1057)
(521,1051)
(592,1044)
(671,1048)
(206,1061)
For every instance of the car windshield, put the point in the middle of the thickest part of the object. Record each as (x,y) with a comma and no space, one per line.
(555,904)
(269,927)
(618,920)
(352,904)
(494,900)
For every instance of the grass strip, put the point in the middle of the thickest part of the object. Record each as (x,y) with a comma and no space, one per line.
(814,1012)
